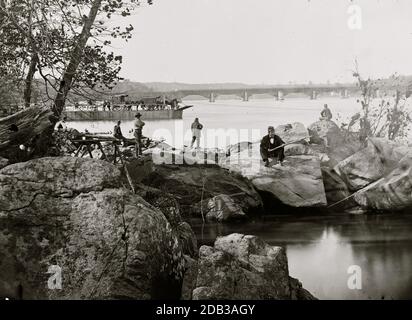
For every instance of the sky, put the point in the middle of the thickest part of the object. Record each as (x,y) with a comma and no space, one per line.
(267,41)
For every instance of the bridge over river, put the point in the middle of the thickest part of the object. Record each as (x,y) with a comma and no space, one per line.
(245,93)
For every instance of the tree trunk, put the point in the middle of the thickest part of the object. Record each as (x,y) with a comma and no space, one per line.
(29,80)
(32,128)
(76,58)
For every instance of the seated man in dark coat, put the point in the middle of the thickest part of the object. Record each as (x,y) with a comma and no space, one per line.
(270,142)
(118,133)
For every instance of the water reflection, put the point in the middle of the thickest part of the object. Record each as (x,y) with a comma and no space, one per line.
(320,250)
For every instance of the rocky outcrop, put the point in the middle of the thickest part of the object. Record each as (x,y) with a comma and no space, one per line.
(298,183)
(292,132)
(223,208)
(170,207)
(325,130)
(390,193)
(375,161)
(194,186)
(185,156)
(242,267)
(73,215)
(335,189)
(3,162)
(190,277)
(296,149)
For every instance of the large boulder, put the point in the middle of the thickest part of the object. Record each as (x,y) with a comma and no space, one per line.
(194,186)
(296,149)
(336,190)
(170,207)
(292,132)
(325,130)
(72,217)
(298,183)
(377,159)
(3,162)
(243,267)
(186,156)
(342,151)
(390,193)
(223,208)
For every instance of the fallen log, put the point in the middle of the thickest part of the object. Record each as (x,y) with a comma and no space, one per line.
(26,133)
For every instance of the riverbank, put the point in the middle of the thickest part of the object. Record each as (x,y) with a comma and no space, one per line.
(129,216)
(76,220)
(321,247)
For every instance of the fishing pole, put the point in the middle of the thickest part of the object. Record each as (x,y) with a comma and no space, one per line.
(288,143)
(356,193)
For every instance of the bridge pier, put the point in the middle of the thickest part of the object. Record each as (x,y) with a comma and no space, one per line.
(212,97)
(314,95)
(344,94)
(245,96)
(279,95)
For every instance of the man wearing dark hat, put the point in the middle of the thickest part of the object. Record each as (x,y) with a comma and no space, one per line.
(117,132)
(326,114)
(271,147)
(138,128)
(196,132)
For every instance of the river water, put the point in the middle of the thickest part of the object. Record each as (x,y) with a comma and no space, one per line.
(320,248)
(228,121)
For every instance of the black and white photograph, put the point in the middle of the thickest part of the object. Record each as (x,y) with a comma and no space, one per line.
(205,150)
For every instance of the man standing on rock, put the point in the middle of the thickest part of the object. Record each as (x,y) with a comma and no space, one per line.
(196,130)
(272,147)
(138,128)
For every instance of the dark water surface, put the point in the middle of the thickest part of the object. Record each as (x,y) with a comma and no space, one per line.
(321,248)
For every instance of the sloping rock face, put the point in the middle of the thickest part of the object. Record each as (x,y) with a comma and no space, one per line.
(325,129)
(292,132)
(73,213)
(3,162)
(185,156)
(223,208)
(243,267)
(296,149)
(371,163)
(171,209)
(391,193)
(193,186)
(298,183)
(335,189)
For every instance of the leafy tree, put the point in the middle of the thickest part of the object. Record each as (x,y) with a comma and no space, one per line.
(64,42)
(63,46)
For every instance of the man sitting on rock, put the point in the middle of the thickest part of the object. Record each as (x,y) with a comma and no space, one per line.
(326,114)
(118,132)
(272,147)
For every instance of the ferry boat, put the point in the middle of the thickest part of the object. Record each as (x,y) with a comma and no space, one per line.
(120,108)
